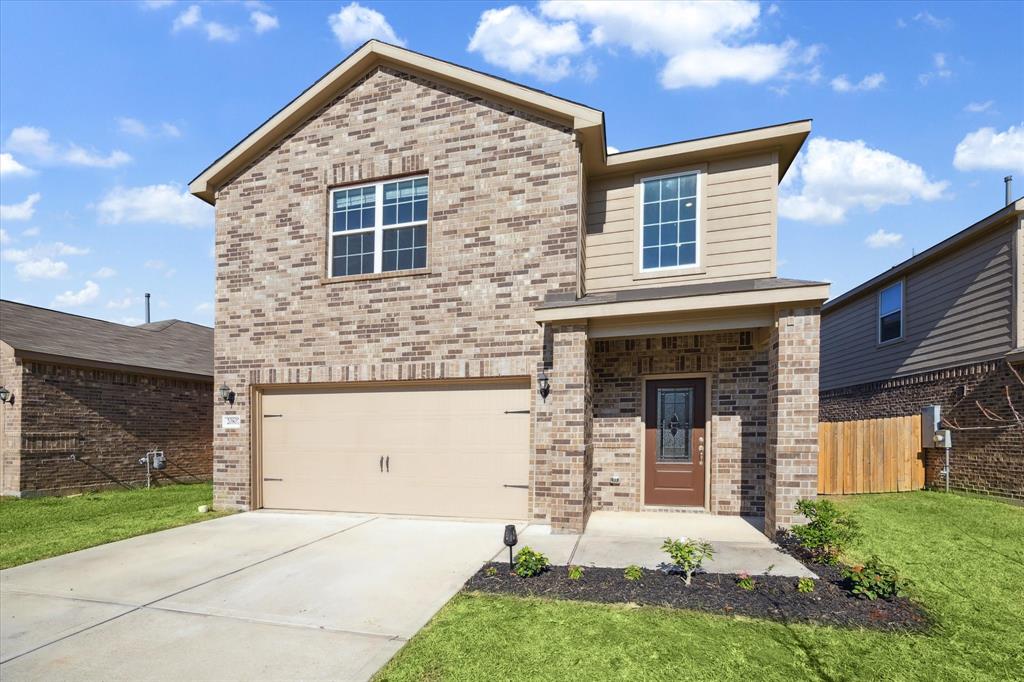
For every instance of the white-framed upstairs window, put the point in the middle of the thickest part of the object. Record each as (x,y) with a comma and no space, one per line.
(378,227)
(670,217)
(890,313)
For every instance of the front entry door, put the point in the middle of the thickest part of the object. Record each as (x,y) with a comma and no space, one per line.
(674,418)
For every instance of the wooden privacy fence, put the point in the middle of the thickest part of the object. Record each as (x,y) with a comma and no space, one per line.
(870,456)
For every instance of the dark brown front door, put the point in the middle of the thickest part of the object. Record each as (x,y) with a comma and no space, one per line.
(674,442)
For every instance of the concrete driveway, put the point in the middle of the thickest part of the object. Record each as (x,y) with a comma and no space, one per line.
(260,595)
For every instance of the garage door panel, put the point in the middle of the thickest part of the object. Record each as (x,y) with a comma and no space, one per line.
(450,449)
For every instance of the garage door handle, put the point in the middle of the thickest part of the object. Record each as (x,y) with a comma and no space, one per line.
(517,412)
(382,464)
(510,485)
(272,415)
(273,479)
(387,463)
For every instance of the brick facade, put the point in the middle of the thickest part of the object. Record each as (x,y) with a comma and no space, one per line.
(983,459)
(503,233)
(791,465)
(85,429)
(737,374)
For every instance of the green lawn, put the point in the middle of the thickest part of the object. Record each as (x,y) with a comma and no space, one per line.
(966,556)
(42,527)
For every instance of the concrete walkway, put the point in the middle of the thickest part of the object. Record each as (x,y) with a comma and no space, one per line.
(253,596)
(618,539)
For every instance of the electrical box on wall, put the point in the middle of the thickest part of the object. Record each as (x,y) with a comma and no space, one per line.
(931,422)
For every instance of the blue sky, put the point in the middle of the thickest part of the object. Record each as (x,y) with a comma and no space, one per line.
(107,110)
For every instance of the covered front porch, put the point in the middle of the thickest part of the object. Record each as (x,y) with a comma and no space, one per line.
(700,398)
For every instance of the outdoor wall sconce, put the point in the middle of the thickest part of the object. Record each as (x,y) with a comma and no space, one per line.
(510,542)
(227,395)
(543,385)
(6,396)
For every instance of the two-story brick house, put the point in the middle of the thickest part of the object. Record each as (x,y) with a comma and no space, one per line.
(438,294)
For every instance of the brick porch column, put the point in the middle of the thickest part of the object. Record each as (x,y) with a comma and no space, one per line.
(563,458)
(791,467)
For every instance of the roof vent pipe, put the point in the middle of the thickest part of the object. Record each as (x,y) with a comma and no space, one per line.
(1009,189)
(147,307)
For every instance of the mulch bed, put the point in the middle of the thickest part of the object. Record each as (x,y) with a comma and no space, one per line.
(774,597)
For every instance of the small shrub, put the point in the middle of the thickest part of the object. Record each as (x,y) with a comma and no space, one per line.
(633,573)
(575,572)
(873,579)
(490,571)
(687,555)
(530,563)
(745,582)
(805,585)
(828,532)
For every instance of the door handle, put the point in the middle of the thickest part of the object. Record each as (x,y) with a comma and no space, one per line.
(700,449)
(382,464)
(387,463)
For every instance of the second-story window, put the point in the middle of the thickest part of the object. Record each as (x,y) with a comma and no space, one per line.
(890,313)
(669,232)
(378,227)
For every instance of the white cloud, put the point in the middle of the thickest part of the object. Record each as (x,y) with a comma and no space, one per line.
(81,157)
(122,303)
(136,128)
(35,142)
(23,211)
(929,19)
(165,204)
(882,239)
(516,39)
(10,167)
(836,176)
(942,69)
(987,148)
(218,31)
(30,232)
(105,272)
(354,24)
(5,237)
(86,294)
(204,307)
(979,107)
(41,251)
(263,22)
(188,18)
(132,126)
(703,43)
(613,150)
(872,81)
(41,268)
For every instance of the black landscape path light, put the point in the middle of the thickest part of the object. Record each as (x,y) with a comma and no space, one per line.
(510,542)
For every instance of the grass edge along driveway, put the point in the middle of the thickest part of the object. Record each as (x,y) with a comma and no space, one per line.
(43,527)
(964,554)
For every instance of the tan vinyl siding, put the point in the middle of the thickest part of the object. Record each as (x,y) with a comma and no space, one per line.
(957,310)
(738,233)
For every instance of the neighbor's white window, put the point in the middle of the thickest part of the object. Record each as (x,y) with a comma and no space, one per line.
(378,227)
(669,234)
(890,313)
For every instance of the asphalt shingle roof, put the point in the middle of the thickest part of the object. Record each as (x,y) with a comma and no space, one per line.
(168,345)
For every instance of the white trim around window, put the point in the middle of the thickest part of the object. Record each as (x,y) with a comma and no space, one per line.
(378,227)
(890,309)
(682,253)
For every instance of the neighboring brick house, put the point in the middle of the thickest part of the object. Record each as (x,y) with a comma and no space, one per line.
(946,328)
(438,294)
(88,398)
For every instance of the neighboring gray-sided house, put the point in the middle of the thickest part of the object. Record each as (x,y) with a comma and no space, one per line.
(945,327)
(87,398)
(438,294)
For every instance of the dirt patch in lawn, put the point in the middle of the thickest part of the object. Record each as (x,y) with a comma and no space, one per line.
(773,597)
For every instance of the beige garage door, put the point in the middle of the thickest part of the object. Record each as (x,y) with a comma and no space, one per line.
(446,449)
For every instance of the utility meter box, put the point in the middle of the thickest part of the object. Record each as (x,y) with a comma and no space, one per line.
(931,423)
(942,439)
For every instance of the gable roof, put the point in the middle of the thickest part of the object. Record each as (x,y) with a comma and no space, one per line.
(1015,208)
(586,121)
(169,346)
